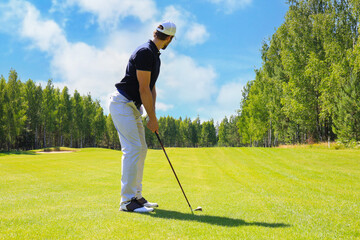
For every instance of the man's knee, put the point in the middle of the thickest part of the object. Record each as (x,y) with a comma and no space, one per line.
(132,149)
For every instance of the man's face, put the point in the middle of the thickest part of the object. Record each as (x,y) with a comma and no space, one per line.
(168,41)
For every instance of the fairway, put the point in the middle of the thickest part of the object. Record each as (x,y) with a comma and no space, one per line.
(245,193)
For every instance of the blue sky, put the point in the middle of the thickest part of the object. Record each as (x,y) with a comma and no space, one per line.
(85,45)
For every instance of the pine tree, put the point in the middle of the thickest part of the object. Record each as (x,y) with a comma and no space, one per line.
(112,134)
(224,133)
(15,110)
(49,113)
(195,132)
(65,116)
(2,112)
(33,97)
(87,121)
(208,134)
(98,125)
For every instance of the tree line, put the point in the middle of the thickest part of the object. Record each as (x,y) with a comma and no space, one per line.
(32,117)
(308,88)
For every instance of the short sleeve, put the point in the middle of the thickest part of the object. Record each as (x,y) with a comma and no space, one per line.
(144,60)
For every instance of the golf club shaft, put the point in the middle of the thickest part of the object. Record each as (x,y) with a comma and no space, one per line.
(162,146)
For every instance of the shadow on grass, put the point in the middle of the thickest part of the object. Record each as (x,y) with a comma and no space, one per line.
(215,220)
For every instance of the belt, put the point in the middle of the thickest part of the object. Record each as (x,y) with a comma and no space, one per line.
(138,105)
(124,94)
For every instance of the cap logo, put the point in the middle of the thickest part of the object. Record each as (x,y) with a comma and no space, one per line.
(167,28)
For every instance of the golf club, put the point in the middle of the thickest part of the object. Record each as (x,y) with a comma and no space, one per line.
(162,146)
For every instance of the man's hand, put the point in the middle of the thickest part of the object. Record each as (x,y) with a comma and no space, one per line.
(153,125)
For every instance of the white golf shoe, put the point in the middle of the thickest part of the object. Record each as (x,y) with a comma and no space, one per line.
(135,206)
(145,203)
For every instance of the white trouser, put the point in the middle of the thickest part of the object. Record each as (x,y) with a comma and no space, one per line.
(128,123)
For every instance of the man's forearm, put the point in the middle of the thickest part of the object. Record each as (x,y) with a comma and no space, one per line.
(154,96)
(148,102)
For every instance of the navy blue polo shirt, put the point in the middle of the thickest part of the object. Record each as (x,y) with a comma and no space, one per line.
(146,58)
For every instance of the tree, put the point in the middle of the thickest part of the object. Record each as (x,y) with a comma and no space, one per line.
(2,112)
(150,137)
(233,132)
(65,116)
(77,113)
(33,97)
(185,132)
(112,134)
(99,124)
(208,134)
(89,112)
(195,132)
(15,110)
(170,132)
(347,116)
(224,133)
(49,112)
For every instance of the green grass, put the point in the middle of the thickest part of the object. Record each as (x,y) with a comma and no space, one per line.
(245,193)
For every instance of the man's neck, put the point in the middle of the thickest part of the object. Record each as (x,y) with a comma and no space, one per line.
(159,44)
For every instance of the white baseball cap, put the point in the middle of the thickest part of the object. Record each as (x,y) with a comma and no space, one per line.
(167,28)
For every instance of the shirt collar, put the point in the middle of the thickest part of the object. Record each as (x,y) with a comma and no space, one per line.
(153,47)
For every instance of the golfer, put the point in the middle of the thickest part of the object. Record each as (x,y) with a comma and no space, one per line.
(137,88)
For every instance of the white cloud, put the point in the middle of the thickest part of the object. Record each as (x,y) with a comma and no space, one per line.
(11,14)
(19,17)
(45,34)
(229,6)
(163,107)
(185,80)
(196,34)
(109,12)
(78,65)
(227,102)
(89,69)
(188,31)
(230,95)
(126,40)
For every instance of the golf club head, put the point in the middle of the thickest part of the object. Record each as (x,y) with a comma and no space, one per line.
(198,209)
